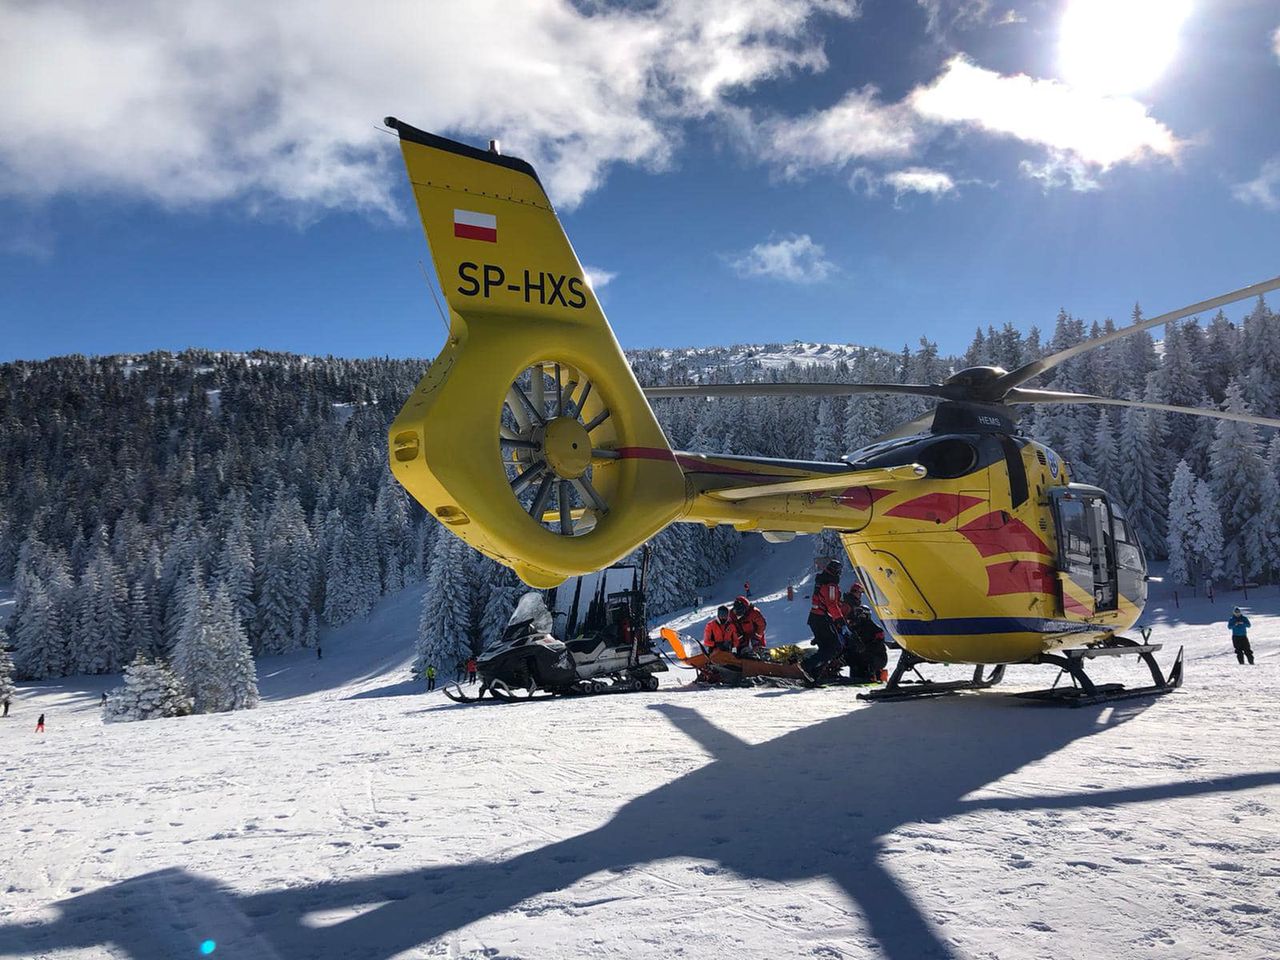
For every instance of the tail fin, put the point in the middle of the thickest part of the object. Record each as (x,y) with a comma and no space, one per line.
(529,437)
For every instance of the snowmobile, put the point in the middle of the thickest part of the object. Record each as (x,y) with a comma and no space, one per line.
(610,651)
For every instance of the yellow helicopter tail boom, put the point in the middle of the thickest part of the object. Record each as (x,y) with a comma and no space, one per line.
(531,412)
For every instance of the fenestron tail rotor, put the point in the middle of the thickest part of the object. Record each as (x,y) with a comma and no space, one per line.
(551,442)
(528,437)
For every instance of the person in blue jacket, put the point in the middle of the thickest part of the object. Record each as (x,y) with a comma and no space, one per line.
(1239,625)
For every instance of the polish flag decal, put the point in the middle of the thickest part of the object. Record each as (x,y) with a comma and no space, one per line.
(475,226)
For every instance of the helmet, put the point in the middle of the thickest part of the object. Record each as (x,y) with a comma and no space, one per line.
(834,566)
(740,605)
(1237,610)
(722,612)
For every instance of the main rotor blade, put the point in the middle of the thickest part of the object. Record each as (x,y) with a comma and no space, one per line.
(920,424)
(803,390)
(1021,395)
(1037,367)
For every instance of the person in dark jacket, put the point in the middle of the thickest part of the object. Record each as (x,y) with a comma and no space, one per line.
(1239,625)
(826,618)
(40,724)
(869,657)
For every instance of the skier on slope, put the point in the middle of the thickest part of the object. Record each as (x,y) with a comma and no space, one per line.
(826,617)
(40,724)
(750,623)
(1239,625)
(720,633)
(471,670)
(431,676)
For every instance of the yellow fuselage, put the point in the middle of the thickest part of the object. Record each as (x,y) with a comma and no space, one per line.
(955,572)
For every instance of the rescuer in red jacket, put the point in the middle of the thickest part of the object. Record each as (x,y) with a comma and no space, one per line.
(750,624)
(826,617)
(720,633)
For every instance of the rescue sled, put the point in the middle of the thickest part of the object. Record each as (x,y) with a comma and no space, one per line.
(724,667)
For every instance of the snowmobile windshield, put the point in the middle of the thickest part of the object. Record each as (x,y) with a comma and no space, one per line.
(531,614)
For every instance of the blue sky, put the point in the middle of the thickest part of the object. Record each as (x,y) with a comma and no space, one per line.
(196,175)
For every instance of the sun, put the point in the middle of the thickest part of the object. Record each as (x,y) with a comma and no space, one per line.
(1118,46)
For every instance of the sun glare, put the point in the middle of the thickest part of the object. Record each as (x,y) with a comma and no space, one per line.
(1118,46)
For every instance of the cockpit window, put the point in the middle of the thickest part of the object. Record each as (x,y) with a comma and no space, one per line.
(949,458)
(943,457)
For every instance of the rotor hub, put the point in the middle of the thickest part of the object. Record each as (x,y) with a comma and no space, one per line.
(567,447)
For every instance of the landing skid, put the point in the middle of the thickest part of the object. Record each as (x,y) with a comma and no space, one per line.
(899,688)
(1083,691)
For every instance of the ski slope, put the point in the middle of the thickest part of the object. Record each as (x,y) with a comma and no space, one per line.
(354,816)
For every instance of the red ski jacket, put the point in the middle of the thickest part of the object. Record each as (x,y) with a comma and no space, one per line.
(722,635)
(750,626)
(826,599)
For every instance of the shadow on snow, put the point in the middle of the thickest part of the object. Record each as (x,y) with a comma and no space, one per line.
(852,780)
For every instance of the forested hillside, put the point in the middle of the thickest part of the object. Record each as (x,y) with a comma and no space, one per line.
(131,485)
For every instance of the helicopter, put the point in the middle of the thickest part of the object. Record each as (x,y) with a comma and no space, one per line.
(530,438)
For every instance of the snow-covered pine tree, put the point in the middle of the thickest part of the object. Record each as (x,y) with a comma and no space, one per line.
(1195,529)
(1260,353)
(142,637)
(1182,531)
(285,586)
(1208,522)
(1236,476)
(445,626)
(1269,509)
(193,653)
(235,567)
(503,591)
(670,560)
(1138,480)
(391,514)
(150,691)
(104,628)
(6,674)
(340,587)
(237,675)
(366,565)
(39,650)
(1103,457)
(1179,380)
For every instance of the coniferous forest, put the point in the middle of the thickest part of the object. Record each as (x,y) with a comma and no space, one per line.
(204,508)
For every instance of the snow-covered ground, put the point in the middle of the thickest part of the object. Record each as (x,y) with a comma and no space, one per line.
(354,816)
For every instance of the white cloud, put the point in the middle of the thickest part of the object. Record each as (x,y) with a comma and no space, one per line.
(945,15)
(276,104)
(597,278)
(793,258)
(1264,189)
(1085,133)
(935,183)
(858,127)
